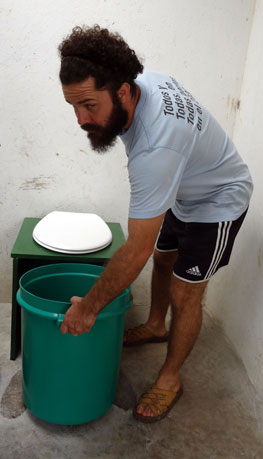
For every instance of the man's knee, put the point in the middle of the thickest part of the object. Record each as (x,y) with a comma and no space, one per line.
(186,296)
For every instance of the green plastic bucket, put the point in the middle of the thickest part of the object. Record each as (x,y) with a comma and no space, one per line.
(68,379)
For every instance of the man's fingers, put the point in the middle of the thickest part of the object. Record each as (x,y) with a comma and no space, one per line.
(75,299)
(74,329)
(77,320)
(64,328)
(73,333)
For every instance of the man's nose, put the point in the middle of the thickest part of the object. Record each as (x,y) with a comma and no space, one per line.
(83,116)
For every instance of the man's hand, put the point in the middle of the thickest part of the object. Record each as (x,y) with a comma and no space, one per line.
(79,318)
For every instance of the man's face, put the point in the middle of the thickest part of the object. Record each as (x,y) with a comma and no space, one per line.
(98,113)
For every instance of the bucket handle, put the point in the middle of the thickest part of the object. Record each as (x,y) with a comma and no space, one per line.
(60,317)
(39,312)
(36,311)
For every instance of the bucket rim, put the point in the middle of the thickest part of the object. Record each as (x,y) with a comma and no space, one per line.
(59,317)
(59,269)
(30,272)
(30,294)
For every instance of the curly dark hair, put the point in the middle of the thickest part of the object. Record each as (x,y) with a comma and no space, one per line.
(96,52)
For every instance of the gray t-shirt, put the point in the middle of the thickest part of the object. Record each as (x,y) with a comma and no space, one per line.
(180,158)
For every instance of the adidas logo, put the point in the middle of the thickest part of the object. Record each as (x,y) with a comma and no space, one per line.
(195,271)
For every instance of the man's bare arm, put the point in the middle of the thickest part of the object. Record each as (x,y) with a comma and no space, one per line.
(121,271)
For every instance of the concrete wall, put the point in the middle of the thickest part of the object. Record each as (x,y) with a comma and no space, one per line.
(46,161)
(235,296)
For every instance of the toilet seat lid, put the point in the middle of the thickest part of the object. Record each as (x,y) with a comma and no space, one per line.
(72,232)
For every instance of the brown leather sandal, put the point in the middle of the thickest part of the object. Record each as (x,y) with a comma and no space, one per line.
(160,402)
(141,335)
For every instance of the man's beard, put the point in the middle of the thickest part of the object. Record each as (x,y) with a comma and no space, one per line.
(103,138)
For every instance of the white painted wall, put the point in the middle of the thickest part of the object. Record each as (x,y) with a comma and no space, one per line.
(46,161)
(235,296)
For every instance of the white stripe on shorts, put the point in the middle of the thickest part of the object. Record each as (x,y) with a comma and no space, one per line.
(168,250)
(221,243)
(155,245)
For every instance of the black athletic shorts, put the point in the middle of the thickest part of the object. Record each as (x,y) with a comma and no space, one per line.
(202,248)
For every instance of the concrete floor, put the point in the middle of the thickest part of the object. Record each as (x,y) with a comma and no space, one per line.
(219,415)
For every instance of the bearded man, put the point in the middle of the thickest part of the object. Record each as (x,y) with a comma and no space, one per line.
(190,192)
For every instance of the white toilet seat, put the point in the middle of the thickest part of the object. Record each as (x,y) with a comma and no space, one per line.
(72,232)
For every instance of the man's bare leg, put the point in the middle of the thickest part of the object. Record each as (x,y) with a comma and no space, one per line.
(160,296)
(160,292)
(185,326)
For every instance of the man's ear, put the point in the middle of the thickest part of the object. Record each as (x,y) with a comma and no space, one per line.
(124,92)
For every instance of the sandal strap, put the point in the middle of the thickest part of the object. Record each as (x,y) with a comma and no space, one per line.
(137,333)
(157,399)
